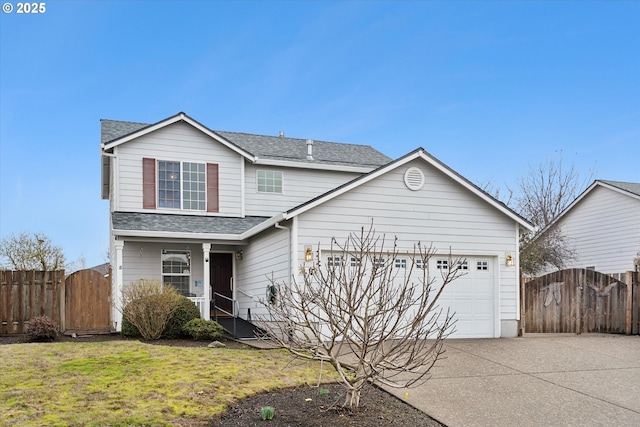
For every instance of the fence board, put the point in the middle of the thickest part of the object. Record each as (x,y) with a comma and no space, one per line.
(87,303)
(578,300)
(28,294)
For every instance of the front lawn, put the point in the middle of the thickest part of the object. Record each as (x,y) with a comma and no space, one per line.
(124,383)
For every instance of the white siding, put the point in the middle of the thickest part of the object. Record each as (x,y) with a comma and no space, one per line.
(298,186)
(142,260)
(266,257)
(442,212)
(604,230)
(178,142)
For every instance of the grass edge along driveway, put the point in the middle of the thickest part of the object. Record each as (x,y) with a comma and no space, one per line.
(123,383)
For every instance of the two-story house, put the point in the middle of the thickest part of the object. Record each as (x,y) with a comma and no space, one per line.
(223,213)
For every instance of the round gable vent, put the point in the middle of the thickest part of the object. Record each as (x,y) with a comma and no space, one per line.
(414,179)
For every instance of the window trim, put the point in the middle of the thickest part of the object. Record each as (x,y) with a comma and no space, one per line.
(186,252)
(274,172)
(181,184)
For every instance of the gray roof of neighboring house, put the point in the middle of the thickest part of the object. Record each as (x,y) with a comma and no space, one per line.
(273,147)
(631,187)
(102,268)
(134,221)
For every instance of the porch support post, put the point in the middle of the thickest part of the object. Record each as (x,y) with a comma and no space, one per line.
(206,249)
(116,287)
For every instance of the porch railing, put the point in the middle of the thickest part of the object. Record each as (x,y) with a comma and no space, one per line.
(202,305)
(235,308)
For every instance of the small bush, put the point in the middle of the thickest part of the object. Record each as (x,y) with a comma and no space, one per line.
(148,305)
(41,328)
(185,311)
(201,329)
(129,330)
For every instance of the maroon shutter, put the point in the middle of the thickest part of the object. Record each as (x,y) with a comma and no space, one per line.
(148,183)
(212,187)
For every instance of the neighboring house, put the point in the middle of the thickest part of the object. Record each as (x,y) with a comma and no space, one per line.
(223,212)
(102,269)
(602,227)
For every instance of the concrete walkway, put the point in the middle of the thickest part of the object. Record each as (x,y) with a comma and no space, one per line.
(538,380)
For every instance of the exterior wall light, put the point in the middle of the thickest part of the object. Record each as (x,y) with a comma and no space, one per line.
(509,260)
(239,255)
(308,254)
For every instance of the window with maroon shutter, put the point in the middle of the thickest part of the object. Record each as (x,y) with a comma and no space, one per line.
(212,187)
(179,185)
(148,183)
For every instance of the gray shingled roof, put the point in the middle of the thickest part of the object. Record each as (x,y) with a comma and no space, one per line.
(282,148)
(631,187)
(113,129)
(134,221)
(274,147)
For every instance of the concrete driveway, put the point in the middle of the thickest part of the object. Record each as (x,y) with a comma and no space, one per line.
(538,380)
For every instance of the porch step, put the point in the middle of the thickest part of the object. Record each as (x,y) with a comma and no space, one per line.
(243,329)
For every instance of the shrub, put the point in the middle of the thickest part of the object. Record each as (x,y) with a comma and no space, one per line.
(185,311)
(41,328)
(129,330)
(148,305)
(201,329)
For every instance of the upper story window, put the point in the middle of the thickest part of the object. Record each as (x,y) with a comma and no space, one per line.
(181,185)
(269,181)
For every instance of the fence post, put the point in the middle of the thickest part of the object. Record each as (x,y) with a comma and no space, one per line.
(63,301)
(522,306)
(629,314)
(578,307)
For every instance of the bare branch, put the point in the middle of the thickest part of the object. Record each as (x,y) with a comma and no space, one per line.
(369,309)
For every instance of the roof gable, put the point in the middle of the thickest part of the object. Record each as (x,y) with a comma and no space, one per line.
(259,149)
(630,189)
(113,128)
(419,153)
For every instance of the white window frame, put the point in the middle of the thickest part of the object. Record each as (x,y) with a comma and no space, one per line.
(442,264)
(185,272)
(462,264)
(482,265)
(181,183)
(266,187)
(334,260)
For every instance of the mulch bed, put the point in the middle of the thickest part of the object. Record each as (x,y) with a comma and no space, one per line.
(294,407)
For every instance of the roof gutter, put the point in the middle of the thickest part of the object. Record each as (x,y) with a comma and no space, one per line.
(320,166)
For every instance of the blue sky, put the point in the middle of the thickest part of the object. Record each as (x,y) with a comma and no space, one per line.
(489,88)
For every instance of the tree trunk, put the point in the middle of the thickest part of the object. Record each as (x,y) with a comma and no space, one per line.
(352,400)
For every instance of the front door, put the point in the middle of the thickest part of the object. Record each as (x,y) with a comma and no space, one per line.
(221,274)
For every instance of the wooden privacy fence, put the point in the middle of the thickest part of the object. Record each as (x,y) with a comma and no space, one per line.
(579,300)
(80,303)
(87,303)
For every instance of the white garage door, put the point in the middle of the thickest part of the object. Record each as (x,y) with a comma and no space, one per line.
(471,297)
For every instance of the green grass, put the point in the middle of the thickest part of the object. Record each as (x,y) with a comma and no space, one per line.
(124,383)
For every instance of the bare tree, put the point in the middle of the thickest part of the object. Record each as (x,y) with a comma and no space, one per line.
(547,190)
(540,196)
(32,252)
(372,319)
